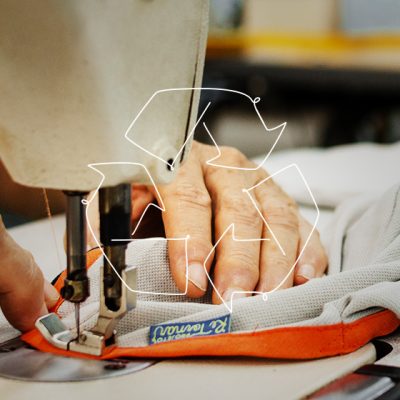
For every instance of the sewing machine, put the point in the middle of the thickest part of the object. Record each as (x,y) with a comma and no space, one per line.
(73,76)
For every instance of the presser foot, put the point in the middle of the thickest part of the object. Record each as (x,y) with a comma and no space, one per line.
(102,335)
(56,332)
(92,343)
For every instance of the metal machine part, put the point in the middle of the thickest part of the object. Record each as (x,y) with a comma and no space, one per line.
(95,340)
(115,207)
(356,387)
(19,361)
(380,380)
(76,284)
(102,335)
(54,331)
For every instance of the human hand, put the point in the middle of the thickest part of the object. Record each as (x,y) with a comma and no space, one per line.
(24,294)
(204,200)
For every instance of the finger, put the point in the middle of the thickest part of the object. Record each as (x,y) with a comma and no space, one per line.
(313,260)
(237,262)
(236,270)
(188,212)
(278,255)
(21,284)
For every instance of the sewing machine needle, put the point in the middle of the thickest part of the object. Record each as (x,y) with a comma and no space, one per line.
(77,320)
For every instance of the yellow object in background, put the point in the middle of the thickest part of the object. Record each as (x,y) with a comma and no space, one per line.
(305,33)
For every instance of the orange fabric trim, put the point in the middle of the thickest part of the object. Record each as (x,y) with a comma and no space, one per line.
(284,343)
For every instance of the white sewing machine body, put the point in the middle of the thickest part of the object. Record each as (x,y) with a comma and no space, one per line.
(73,76)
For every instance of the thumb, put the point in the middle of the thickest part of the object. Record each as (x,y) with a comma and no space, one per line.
(22,298)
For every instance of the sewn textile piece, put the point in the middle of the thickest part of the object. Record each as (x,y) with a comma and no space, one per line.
(327,316)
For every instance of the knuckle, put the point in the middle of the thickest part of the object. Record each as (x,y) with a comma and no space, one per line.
(284,217)
(233,155)
(274,196)
(243,267)
(198,148)
(240,208)
(280,264)
(282,202)
(280,208)
(188,195)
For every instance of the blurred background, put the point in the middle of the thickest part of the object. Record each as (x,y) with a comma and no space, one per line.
(330,68)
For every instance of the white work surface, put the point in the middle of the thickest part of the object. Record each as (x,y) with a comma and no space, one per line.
(232,378)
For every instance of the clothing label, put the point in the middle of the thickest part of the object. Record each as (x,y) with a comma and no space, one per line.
(181,330)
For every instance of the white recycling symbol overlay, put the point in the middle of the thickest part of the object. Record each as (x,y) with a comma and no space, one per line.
(211,162)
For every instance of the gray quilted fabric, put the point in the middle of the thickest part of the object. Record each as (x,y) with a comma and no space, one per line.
(364,247)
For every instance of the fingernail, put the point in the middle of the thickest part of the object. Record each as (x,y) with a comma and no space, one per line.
(234,294)
(307,271)
(197,276)
(51,295)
